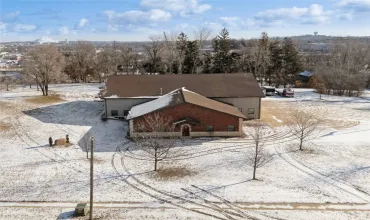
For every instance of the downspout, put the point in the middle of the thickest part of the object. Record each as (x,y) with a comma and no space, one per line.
(259,110)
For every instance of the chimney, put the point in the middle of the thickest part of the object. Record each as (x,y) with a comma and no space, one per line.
(161,92)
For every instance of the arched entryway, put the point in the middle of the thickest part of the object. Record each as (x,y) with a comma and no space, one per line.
(185,130)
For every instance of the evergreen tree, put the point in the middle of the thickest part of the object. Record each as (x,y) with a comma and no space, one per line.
(207,63)
(222,58)
(263,56)
(181,46)
(273,73)
(192,58)
(292,63)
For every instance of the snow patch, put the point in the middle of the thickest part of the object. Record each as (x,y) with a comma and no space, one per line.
(276,119)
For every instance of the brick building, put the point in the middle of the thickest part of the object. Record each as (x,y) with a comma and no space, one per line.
(191,114)
(123,92)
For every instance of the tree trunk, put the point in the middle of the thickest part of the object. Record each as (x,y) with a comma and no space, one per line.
(30,86)
(7,87)
(155,159)
(254,173)
(87,153)
(255,163)
(193,68)
(155,163)
(43,90)
(301,144)
(37,85)
(46,90)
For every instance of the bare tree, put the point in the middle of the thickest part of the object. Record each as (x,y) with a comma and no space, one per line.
(84,55)
(259,157)
(255,57)
(318,84)
(154,51)
(343,70)
(7,80)
(70,68)
(126,59)
(303,125)
(44,64)
(202,34)
(26,80)
(105,63)
(170,53)
(151,132)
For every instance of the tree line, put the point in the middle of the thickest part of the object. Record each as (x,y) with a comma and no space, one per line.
(344,71)
(272,61)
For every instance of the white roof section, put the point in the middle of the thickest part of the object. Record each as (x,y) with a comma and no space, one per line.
(268,87)
(306,73)
(161,102)
(137,97)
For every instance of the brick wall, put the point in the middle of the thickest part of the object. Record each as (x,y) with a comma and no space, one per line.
(205,116)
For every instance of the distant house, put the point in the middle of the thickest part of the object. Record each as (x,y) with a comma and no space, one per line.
(191,114)
(241,91)
(304,77)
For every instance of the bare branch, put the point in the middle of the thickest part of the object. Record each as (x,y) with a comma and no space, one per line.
(155,145)
(44,64)
(257,131)
(202,34)
(303,125)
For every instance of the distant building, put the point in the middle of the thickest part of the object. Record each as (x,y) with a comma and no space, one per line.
(304,77)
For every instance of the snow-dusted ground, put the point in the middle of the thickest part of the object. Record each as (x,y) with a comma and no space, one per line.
(335,170)
(160,214)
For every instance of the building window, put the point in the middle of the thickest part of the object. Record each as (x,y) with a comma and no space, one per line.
(251,111)
(209,128)
(125,112)
(114,113)
(230,128)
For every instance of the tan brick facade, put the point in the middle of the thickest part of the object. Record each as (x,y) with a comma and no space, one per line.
(220,121)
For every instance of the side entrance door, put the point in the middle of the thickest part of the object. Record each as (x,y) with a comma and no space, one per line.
(186,131)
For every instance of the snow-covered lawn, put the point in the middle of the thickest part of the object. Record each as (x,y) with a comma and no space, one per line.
(335,168)
(160,214)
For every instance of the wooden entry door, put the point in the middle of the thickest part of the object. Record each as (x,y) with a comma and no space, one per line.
(186,131)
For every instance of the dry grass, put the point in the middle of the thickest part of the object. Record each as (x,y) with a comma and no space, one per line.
(339,124)
(63,145)
(4,127)
(172,173)
(52,98)
(273,111)
(308,151)
(97,160)
(5,107)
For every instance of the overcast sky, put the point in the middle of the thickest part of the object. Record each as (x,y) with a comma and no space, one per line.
(135,20)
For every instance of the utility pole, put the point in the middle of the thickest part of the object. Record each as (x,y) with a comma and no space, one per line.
(91,177)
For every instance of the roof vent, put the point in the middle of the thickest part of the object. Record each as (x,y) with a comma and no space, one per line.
(161,92)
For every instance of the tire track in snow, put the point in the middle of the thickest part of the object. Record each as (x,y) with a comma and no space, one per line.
(173,199)
(331,181)
(156,194)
